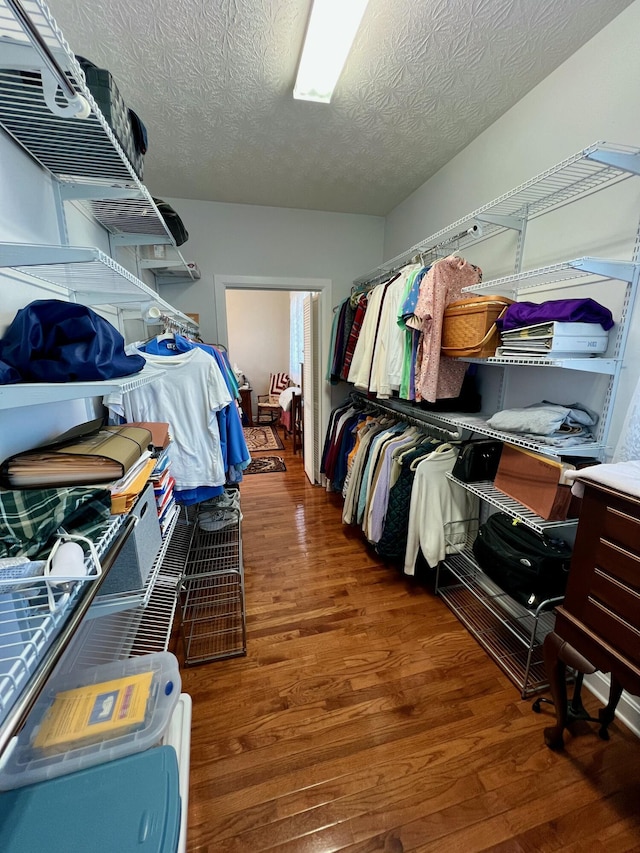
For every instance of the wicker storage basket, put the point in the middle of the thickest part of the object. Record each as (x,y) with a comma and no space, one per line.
(469,326)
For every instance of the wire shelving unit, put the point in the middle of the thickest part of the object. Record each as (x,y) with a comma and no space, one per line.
(509,632)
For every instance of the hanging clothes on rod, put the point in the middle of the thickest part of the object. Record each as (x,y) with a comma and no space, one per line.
(376,452)
(439,377)
(189,393)
(233,447)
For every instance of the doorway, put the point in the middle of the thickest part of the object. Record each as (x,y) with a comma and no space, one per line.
(317,392)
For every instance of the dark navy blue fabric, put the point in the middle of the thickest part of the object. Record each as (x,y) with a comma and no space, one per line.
(54,341)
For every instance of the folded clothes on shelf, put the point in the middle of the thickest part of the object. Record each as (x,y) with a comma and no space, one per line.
(548,423)
(31,519)
(563,310)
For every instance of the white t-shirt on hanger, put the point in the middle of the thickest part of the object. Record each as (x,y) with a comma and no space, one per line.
(187,393)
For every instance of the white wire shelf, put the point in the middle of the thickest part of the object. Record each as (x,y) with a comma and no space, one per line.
(117,601)
(595,168)
(453,426)
(567,273)
(38,393)
(28,627)
(509,632)
(524,669)
(486,491)
(144,628)
(479,425)
(85,273)
(595,364)
(77,152)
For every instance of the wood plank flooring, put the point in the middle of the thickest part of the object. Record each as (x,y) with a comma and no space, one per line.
(365,718)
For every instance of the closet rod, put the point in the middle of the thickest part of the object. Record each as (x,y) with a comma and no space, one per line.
(171,324)
(417,419)
(416,255)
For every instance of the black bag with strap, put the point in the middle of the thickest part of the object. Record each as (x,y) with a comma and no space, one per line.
(477,460)
(529,566)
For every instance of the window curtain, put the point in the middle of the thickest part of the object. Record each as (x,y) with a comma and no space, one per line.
(628,446)
(296,335)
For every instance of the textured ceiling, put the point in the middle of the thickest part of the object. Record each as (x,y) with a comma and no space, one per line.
(212,80)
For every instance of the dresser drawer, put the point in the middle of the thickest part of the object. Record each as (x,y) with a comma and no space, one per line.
(618,563)
(617,597)
(622,528)
(612,629)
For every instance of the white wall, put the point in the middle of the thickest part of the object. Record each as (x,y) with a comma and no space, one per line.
(258,326)
(243,239)
(238,240)
(592,96)
(28,215)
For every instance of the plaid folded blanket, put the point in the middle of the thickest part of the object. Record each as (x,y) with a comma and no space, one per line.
(30,519)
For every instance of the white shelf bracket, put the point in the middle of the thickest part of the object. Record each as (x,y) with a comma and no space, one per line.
(105,297)
(623,160)
(22,57)
(515,223)
(140,239)
(27,255)
(97,192)
(607,269)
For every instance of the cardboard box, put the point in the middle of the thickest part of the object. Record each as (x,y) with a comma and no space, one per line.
(160,432)
(535,481)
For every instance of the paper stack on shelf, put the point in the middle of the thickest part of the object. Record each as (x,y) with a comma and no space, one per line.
(554,339)
(125,491)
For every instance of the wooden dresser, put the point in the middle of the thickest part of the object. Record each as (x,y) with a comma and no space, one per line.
(598,625)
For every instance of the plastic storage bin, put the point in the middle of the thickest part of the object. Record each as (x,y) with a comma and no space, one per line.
(131,805)
(33,758)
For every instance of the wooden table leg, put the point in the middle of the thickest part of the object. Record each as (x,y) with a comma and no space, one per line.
(607,714)
(557,675)
(557,655)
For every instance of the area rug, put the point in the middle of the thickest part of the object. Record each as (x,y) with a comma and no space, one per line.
(265,465)
(260,438)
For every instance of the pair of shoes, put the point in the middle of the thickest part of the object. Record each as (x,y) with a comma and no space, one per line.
(211,520)
(229,498)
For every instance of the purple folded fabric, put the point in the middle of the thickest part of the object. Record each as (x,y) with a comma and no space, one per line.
(563,310)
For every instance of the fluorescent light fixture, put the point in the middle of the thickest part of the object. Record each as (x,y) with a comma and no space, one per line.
(332,28)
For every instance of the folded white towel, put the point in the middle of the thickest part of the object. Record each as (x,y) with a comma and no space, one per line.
(623,476)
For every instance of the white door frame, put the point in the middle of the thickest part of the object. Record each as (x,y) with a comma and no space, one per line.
(322,286)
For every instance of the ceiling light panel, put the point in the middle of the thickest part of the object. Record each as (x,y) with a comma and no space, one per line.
(332,28)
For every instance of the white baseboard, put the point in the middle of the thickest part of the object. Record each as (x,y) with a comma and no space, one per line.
(628,710)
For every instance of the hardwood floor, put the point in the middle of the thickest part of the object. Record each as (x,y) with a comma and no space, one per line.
(365,718)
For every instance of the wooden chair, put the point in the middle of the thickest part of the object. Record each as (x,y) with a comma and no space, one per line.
(269,404)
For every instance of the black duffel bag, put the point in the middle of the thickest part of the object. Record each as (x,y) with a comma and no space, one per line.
(172,221)
(529,566)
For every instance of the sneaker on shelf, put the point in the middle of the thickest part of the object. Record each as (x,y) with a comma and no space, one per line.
(217,519)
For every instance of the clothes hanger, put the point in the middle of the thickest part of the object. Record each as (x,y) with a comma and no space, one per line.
(165,336)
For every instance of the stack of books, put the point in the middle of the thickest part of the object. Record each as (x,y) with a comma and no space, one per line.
(554,340)
(163,485)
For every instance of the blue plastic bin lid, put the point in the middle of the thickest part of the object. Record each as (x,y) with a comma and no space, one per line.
(131,804)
